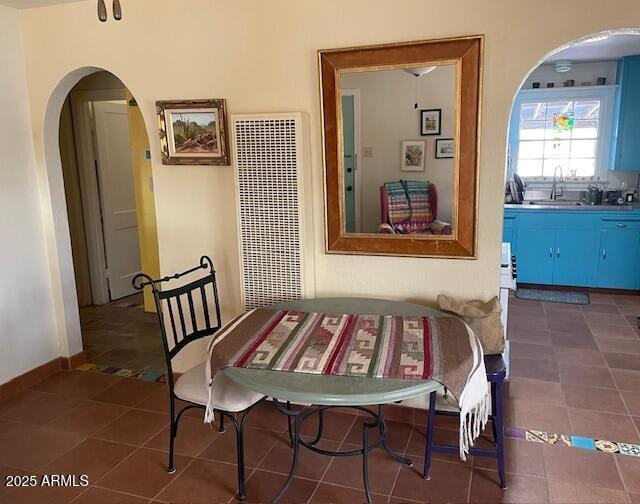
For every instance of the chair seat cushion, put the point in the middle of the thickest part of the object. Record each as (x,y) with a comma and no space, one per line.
(226,394)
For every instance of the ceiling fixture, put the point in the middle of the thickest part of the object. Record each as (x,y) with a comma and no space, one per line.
(102,11)
(420,71)
(562,66)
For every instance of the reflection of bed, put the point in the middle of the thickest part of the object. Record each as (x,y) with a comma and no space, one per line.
(410,207)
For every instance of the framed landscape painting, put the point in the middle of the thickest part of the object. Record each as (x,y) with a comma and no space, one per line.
(445,148)
(193,132)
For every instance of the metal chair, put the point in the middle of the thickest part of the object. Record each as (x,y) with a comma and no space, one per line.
(496,373)
(188,321)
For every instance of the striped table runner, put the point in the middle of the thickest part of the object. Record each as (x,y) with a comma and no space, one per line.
(376,346)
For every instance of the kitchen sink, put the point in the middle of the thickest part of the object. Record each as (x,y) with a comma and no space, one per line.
(554,203)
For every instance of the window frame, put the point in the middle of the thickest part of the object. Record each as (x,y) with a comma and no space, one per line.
(605,94)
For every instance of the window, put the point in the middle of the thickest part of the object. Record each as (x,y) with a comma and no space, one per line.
(565,129)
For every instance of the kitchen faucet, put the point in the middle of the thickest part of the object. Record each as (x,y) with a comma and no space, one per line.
(554,185)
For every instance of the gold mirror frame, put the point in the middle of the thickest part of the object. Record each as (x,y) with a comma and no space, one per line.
(466,53)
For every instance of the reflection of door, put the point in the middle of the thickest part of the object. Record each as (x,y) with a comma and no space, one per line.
(117,196)
(348,132)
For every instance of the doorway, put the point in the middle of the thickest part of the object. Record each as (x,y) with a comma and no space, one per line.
(104,152)
(351,151)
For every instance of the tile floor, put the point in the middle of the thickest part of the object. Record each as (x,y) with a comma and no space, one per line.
(121,334)
(575,370)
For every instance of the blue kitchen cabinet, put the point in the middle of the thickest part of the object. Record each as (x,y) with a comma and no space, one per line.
(575,248)
(619,263)
(573,262)
(625,148)
(535,255)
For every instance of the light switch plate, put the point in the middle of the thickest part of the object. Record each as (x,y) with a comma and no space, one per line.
(367,151)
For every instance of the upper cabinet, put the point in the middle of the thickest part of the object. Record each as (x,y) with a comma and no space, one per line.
(625,151)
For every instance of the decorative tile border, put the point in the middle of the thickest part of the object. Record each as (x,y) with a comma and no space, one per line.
(584,443)
(141,374)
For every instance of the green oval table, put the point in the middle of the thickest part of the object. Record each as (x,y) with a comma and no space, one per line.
(325,392)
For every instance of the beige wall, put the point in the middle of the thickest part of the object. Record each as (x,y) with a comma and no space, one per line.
(388,117)
(27,331)
(261,56)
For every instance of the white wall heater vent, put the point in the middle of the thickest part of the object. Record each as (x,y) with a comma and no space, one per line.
(268,168)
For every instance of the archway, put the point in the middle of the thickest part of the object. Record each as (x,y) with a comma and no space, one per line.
(565,139)
(594,38)
(60,243)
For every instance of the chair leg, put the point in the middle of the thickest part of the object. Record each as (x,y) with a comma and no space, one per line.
(172,434)
(239,426)
(499,427)
(240,455)
(431,420)
(493,412)
(221,428)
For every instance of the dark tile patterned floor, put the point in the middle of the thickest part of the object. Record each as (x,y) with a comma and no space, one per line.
(121,334)
(115,431)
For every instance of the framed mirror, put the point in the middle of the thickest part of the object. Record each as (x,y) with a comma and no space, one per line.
(401,139)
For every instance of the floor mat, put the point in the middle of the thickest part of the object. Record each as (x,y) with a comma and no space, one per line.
(552,296)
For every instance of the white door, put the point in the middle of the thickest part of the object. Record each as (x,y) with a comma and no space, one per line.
(117,196)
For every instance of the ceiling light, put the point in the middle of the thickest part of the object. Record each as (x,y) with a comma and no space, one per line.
(562,66)
(420,71)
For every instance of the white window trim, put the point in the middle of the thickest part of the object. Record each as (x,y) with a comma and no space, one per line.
(606,95)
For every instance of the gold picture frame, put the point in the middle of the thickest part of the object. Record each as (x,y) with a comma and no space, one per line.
(193,132)
(467,54)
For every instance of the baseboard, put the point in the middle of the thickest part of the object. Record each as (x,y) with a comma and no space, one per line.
(74,361)
(39,373)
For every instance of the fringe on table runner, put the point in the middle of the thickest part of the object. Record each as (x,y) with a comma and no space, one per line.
(475,400)
(472,423)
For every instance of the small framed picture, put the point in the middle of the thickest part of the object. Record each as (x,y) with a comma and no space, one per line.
(445,148)
(430,122)
(193,132)
(413,153)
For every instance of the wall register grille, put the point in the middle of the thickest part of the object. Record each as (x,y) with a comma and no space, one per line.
(267,162)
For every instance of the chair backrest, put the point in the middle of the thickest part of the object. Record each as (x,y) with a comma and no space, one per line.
(384,203)
(182,318)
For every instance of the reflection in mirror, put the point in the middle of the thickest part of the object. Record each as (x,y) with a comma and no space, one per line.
(400,131)
(398,138)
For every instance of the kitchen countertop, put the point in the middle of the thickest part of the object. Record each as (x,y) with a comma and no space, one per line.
(576,207)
